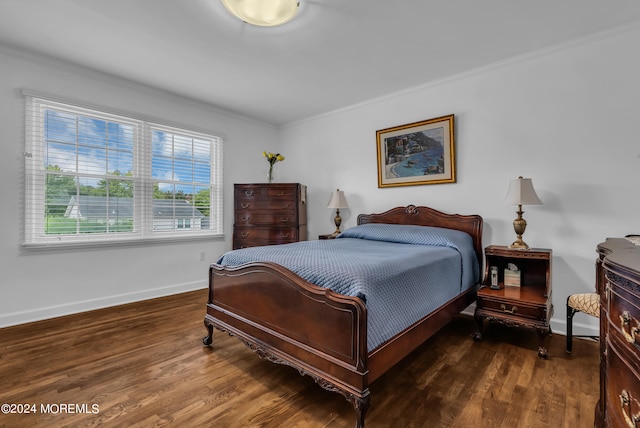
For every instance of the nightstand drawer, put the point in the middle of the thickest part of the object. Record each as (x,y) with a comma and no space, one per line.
(514,308)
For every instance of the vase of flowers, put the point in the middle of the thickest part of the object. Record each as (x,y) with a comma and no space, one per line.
(272,159)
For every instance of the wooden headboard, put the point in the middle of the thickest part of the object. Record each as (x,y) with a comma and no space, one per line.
(425,216)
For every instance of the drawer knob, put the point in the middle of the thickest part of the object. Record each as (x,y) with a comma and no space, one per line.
(625,403)
(285,235)
(513,309)
(244,219)
(625,322)
(244,234)
(243,205)
(285,219)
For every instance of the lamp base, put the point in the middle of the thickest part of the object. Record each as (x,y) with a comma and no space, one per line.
(519,244)
(519,226)
(338,221)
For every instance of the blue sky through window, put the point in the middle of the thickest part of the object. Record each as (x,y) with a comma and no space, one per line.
(86,145)
(180,162)
(91,146)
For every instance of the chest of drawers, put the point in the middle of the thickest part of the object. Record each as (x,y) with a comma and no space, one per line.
(618,277)
(267,214)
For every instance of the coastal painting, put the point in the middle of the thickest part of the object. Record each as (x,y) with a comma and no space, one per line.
(417,153)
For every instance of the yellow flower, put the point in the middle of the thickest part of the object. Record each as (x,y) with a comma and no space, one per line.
(273,158)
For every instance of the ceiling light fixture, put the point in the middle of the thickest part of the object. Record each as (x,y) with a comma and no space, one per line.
(264,13)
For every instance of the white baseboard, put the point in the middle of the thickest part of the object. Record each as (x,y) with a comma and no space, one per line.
(16,318)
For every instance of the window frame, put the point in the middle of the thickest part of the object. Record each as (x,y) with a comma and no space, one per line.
(35,174)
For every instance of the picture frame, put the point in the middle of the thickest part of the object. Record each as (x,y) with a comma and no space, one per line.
(417,153)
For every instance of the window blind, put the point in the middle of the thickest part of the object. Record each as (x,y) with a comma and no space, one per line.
(92,176)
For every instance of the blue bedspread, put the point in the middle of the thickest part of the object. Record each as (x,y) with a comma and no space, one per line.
(402,272)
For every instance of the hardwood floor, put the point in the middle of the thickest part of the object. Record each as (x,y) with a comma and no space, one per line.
(144,365)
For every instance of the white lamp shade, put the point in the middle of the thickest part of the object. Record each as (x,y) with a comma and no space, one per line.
(337,200)
(521,192)
(264,13)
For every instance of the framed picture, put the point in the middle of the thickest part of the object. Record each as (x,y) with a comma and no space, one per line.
(417,153)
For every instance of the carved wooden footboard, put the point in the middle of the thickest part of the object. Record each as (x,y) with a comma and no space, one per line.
(320,333)
(288,320)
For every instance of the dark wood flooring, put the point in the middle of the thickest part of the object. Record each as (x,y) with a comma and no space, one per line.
(143,365)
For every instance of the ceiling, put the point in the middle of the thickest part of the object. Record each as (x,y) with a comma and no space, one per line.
(335,54)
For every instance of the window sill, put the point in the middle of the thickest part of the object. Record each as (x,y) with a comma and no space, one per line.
(55,245)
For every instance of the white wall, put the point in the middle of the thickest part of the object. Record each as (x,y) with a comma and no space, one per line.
(567,117)
(47,283)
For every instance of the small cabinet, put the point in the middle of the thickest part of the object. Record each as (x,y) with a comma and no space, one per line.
(525,305)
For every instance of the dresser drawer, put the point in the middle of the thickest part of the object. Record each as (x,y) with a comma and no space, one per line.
(250,204)
(263,192)
(245,243)
(624,319)
(272,234)
(252,193)
(622,391)
(282,192)
(272,218)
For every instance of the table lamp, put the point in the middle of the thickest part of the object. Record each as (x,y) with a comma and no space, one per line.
(336,202)
(521,192)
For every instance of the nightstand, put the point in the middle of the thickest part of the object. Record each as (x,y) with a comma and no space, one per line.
(527,305)
(327,236)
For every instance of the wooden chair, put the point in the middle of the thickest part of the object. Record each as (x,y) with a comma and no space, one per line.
(588,303)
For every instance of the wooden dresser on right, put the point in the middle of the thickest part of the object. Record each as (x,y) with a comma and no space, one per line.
(618,281)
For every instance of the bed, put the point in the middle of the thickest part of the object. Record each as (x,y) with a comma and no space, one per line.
(281,301)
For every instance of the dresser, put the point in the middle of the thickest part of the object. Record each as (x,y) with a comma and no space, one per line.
(266,214)
(618,282)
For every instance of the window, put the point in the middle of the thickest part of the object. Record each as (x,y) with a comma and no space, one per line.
(93,176)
